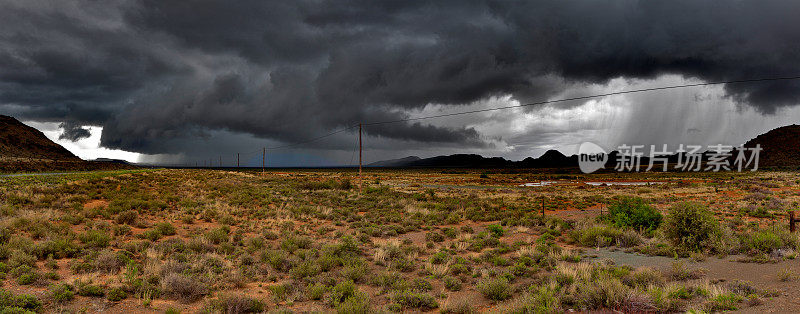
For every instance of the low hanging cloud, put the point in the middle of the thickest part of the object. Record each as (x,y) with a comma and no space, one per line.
(151,71)
(73,132)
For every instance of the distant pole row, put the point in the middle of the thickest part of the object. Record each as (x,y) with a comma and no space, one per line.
(264,159)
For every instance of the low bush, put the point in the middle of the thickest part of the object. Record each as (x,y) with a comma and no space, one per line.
(183,288)
(357,304)
(766,241)
(89,290)
(127,217)
(165,228)
(634,212)
(22,303)
(414,299)
(341,292)
(496,289)
(95,238)
(62,293)
(691,226)
(452,283)
(116,294)
(237,304)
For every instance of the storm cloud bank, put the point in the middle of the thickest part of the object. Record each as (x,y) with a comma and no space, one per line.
(152,72)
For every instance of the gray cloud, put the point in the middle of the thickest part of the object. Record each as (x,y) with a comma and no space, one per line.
(154,72)
(73,132)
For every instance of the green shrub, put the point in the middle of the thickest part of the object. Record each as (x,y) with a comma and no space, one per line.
(234,304)
(440,258)
(218,235)
(23,301)
(763,241)
(19,258)
(316,291)
(691,226)
(420,284)
(413,299)
(357,304)
(57,247)
(605,235)
(634,212)
(497,289)
(452,283)
(496,230)
(95,238)
(305,269)
(165,228)
(127,217)
(341,292)
(724,302)
(62,293)
(27,278)
(434,237)
(89,290)
(293,243)
(116,294)
(540,300)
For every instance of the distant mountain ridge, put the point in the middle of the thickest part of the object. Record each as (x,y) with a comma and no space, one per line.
(550,159)
(780,149)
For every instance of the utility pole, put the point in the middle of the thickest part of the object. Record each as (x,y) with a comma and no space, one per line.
(263,158)
(360,180)
(237,160)
(542,208)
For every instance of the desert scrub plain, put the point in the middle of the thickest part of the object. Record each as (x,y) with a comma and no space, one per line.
(408,241)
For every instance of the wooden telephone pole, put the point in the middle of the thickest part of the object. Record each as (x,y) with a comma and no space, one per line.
(263,158)
(360,180)
(237,160)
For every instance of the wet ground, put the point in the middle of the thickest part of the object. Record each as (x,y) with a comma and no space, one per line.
(762,275)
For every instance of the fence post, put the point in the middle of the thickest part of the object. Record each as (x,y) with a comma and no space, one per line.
(791,221)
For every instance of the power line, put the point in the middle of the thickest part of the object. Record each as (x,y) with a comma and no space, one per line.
(586,97)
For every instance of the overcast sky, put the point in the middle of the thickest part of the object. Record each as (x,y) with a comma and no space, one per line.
(188,81)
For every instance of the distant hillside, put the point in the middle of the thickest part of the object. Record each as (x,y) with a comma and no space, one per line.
(780,147)
(394,162)
(25,149)
(18,140)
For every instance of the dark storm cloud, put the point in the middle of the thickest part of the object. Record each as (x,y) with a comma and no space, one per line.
(150,71)
(73,132)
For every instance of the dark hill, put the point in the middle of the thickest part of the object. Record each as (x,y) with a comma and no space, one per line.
(394,162)
(18,140)
(25,149)
(780,147)
(460,161)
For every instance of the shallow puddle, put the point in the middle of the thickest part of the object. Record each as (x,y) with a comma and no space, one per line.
(606,183)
